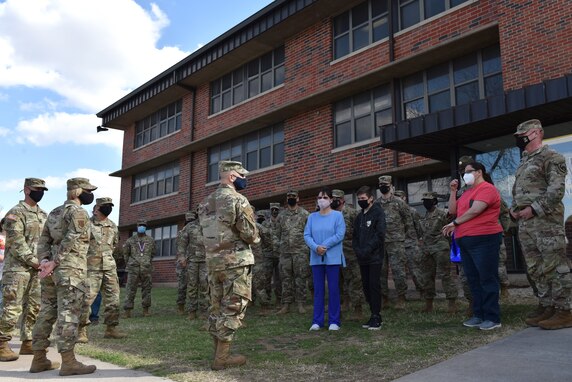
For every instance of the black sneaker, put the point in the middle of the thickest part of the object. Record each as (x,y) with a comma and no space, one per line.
(375,324)
(369,323)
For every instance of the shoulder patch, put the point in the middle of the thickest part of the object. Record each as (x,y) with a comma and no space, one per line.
(11,217)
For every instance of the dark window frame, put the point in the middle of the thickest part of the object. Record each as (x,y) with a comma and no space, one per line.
(161,123)
(158,182)
(421,9)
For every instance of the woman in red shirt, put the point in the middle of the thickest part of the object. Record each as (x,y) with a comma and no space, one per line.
(478,234)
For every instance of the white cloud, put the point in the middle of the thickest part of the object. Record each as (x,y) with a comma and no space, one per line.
(4,131)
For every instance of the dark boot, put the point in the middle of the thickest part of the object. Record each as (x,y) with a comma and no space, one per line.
(146,312)
(223,359)
(6,354)
(112,332)
(82,335)
(284,310)
(385,304)
(70,366)
(181,309)
(127,313)
(192,315)
(428,306)
(26,347)
(400,304)
(536,312)
(560,320)
(452,305)
(41,363)
(546,314)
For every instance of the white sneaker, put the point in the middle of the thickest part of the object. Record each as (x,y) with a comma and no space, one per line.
(334,327)
(314,327)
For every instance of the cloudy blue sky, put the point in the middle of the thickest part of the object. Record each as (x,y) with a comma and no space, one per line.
(62,61)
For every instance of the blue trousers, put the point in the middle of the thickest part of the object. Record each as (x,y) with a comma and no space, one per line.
(94,315)
(480,258)
(332,273)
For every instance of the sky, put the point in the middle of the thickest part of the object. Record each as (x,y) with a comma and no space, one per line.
(62,61)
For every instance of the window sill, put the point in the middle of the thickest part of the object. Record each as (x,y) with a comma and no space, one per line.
(354,145)
(154,199)
(245,101)
(157,140)
(164,258)
(359,51)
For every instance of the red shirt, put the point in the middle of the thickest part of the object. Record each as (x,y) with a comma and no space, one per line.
(487,222)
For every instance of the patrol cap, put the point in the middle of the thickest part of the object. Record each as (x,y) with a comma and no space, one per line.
(191,215)
(35,182)
(105,200)
(142,222)
(292,192)
(399,193)
(527,126)
(83,183)
(429,195)
(385,179)
(230,165)
(465,160)
(275,205)
(338,193)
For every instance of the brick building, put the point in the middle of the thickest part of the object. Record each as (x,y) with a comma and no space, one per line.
(309,93)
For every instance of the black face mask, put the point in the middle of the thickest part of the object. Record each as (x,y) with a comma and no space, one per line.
(106,209)
(86,198)
(335,204)
(260,220)
(274,213)
(384,189)
(291,202)
(363,204)
(428,203)
(36,196)
(521,142)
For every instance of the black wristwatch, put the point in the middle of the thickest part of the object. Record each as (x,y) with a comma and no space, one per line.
(455,222)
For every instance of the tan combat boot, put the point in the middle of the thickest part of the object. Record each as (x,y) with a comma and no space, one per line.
(428,306)
(536,312)
(82,335)
(285,309)
(146,312)
(127,313)
(41,363)
(400,304)
(26,347)
(560,320)
(385,303)
(181,309)
(70,366)
(452,305)
(6,354)
(301,308)
(223,359)
(192,315)
(111,331)
(548,313)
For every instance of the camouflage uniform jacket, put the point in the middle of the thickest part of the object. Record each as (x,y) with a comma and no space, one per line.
(291,224)
(432,224)
(257,248)
(23,227)
(397,218)
(350,215)
(416,232)
(139,251)
(190,243)
(51,235)
(75,226)
(102,245)
(271,225)
(266,239)
(226,219)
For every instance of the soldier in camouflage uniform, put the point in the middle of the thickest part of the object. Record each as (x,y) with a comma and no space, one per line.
(264,266)
(138,252)
(20,284)
(353,296)
(66,241)
(228,230)
(181,270)
(271,256)
(102,270)
(191,255)
(294,265)
(537,206)
(435,259)
(258,256)
(412,237)
(398,221)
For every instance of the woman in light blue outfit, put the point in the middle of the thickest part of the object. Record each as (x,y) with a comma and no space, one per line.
(324,234)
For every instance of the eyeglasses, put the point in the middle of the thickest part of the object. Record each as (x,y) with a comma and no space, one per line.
(469,171)
(323,197)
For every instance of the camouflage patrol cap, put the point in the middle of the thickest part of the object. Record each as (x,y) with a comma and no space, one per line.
(385,179)
(142,222)
(35,182)
(399,193)
(275,205)
(465,160)
(429,195)
(105,200)
(230,165)
(292,192)
(338,193)
(527,126)
(82,183)
(191,215)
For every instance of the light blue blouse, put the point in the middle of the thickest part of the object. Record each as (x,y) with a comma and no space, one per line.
(328,231)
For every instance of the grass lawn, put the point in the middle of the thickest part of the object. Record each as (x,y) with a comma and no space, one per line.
(281,347)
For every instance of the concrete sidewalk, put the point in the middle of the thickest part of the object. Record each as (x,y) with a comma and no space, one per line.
(530,355)
(19,370)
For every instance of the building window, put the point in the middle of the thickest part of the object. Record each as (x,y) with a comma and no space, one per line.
(358,118)
(257,76)
(463,80)
(159,124)
(259,149)
(412,12)
(157,182)
(359,27)
(165,240)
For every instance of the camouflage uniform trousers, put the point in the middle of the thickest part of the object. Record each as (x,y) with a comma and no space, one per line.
(182,283)
(108,283)
(294,273)
(351,280)
(436,262)
(230,291)
(263,283)
(395,258)
(135,276)
(503,275)
(64,301)
(21,292)
(544,249)
(413,258)
(198,285)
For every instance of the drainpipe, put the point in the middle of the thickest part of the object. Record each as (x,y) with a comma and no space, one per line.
(393,81)
(192,156)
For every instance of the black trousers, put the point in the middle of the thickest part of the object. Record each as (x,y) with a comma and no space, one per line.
(371,283)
